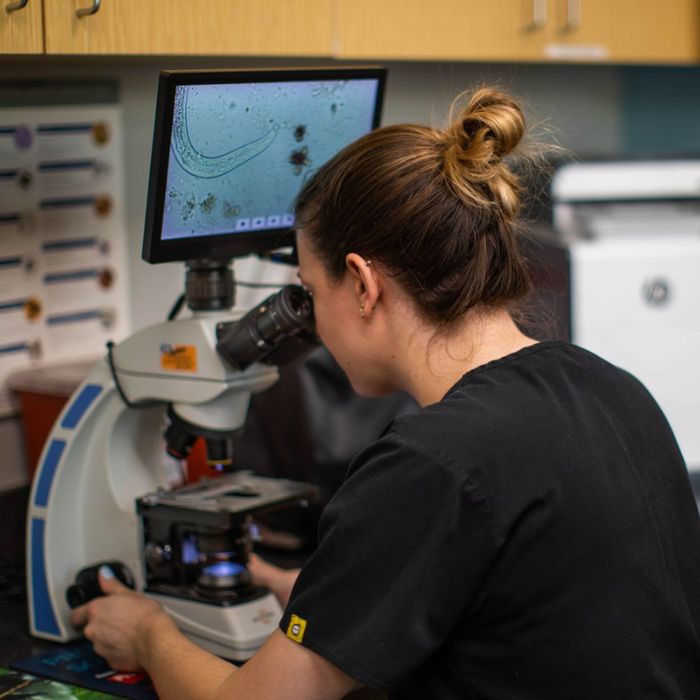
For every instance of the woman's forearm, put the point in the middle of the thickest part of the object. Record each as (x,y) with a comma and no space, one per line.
(180,670)
(279,581)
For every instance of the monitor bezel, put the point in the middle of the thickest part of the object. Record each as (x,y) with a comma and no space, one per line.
(223,246)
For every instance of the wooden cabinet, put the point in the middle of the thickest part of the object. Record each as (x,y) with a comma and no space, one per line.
(21,28)
(442,29)
(184,27)
(619,31)
(643,31)
(626,31)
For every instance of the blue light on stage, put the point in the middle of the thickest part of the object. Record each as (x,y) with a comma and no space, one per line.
(223,568)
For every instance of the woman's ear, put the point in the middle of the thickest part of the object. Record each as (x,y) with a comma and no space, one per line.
(366,282)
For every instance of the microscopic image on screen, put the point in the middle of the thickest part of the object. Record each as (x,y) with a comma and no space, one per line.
(239,153)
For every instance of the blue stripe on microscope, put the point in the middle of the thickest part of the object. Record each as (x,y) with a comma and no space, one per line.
(44,617)
(80,404)
(48,471)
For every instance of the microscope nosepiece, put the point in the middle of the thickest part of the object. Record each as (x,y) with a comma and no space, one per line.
(181,435)
(178,438)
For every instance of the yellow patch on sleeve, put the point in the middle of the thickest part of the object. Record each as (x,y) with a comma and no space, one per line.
(296,629)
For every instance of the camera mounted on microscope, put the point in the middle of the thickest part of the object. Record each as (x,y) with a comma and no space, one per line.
(276,332)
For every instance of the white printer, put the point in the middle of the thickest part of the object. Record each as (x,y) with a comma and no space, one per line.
(622,274)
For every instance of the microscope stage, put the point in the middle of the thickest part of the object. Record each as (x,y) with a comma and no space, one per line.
(220,501)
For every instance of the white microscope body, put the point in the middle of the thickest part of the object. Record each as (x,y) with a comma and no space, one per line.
(102,455)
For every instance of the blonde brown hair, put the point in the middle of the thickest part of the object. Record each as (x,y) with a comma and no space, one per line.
(436,208)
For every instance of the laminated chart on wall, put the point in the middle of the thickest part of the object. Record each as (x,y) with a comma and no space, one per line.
(62,236)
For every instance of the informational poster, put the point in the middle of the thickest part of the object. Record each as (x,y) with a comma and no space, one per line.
(63,289)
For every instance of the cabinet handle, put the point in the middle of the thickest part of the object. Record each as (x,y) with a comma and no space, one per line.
(14,6)
(86,11)
(539,16)
(573,16)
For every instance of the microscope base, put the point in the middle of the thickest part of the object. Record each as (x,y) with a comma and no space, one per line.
(234,633)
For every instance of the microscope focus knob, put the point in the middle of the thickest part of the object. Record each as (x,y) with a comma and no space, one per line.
(87,584)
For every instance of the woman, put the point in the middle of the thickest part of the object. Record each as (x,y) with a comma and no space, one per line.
(530,533)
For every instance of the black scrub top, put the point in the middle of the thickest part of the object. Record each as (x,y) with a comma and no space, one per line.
(532,535)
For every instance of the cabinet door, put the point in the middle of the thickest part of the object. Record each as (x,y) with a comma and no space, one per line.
(441,29)
(634,31)
(209,27)
(21,31)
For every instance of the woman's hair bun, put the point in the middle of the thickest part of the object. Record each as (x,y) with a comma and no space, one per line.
(484,128)
(483,131)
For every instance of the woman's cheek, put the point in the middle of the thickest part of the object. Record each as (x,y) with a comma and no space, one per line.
(319,323)
(324,325)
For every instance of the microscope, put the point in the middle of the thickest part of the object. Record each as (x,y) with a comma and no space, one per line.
(224,174)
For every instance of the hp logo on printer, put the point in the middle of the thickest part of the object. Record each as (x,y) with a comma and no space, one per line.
(656,292)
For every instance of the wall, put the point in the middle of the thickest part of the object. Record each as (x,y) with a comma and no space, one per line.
(591,110)
(660,108)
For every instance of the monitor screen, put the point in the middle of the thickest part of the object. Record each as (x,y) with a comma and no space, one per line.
(231,151)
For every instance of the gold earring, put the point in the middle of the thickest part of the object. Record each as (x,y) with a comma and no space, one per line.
(362,310)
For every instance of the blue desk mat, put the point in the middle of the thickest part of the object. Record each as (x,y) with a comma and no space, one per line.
(78,665)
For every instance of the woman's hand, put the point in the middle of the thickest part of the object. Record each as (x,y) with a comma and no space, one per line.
(279,581)
(120,624)
(133,632)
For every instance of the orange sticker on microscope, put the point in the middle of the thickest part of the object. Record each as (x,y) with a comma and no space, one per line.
(296,629)
(179,358)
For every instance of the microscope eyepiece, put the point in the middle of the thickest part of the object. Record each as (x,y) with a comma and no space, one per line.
(276,331)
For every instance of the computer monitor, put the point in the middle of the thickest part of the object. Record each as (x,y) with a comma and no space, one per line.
(232,149)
